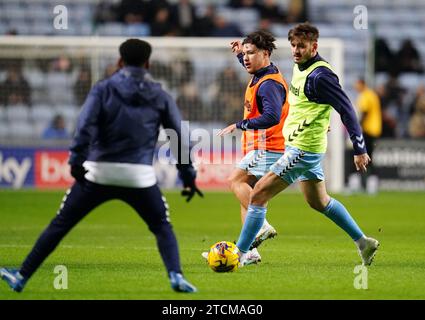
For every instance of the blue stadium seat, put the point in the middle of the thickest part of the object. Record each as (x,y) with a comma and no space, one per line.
(72,30)
(111,29)
(3,28)
(412,31)
(15,16)
(69,112)
(3,116)
(18,113)
(38,12)
(40,126)
(334,15)
(381,78)
(85,28)
(410,80)
(42,28)
(42,113)
(21,129)
(326,30)
(22,27)
(389,31)
(83,12)
(247,20)
(279,30)
(381,16)
(138,30)
(226,13)
(4,130)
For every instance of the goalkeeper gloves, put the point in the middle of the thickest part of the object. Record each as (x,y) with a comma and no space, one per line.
(188,175)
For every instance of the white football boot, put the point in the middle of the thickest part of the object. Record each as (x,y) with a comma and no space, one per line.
(367,250)
(251,257)
(266,232)
(205,255)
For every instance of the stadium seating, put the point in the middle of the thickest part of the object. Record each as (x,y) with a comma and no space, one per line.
(334,19)
(20,129)
(18,113)
(42,113)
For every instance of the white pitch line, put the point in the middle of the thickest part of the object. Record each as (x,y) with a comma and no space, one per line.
(73,247)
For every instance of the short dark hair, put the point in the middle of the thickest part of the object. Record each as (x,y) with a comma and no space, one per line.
(262,40)
(304,30)
(135,52)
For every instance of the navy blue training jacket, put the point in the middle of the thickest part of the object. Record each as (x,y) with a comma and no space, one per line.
(121,118)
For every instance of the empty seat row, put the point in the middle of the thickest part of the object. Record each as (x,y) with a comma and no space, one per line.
(37,113)
(22,129)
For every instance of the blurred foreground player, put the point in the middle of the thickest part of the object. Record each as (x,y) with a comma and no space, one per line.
(111,158)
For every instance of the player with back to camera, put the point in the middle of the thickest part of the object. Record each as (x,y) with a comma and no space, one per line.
(111,158)
(265,110)
(314,91)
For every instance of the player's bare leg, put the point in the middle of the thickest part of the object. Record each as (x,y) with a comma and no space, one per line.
(241,184)
(315,194)
(266,188)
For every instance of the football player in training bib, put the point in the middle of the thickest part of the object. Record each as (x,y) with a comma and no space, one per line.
(313,92)
(265,109)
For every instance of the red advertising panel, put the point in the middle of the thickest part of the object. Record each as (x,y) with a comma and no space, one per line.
(52,169)
(214,169)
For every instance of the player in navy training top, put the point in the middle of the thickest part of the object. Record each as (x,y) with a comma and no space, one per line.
(111,158)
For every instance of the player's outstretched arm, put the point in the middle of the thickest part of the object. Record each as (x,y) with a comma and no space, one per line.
(227,130)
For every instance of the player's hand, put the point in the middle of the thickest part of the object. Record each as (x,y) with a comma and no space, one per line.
(189,192)
(78,172)
(361,161)
(188,175)
(227,130)
(236,47)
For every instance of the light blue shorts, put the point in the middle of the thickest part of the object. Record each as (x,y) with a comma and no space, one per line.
(258,162)
(296,164)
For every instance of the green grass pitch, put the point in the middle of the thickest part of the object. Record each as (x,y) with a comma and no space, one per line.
(112,255)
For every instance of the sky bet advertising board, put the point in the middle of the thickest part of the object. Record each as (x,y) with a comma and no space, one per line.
(29,167)
(48,169)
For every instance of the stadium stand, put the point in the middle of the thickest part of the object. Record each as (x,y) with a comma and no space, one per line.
(26,17)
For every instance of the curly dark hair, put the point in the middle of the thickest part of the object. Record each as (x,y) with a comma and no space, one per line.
(262,40)
(304,30)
